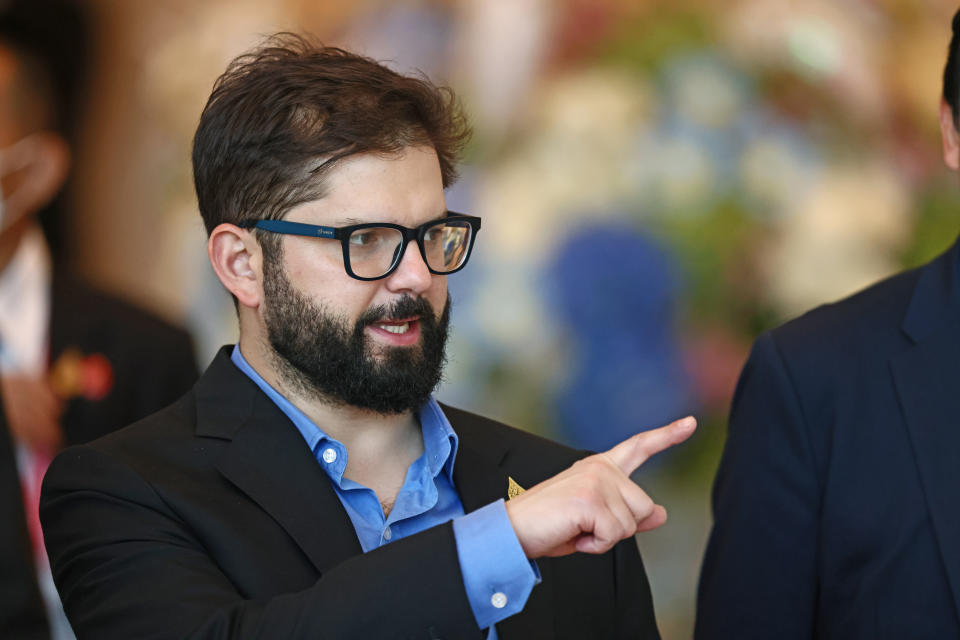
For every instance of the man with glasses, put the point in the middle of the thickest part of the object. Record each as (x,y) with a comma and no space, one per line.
(309,485)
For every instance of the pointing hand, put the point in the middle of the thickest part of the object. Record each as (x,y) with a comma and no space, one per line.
(593,505)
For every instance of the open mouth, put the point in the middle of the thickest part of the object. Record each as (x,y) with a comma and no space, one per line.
(397,328)
(401,331)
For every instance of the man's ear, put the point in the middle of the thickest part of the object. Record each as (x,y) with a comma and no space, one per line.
(40,163)
(237,259)
(950,136)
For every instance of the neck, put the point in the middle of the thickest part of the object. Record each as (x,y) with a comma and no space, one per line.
(381,445)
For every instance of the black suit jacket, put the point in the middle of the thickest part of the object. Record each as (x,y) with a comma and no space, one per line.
(837,501)
(212,519)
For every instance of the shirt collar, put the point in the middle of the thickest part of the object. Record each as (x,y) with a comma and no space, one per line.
(440,441)
(25,306)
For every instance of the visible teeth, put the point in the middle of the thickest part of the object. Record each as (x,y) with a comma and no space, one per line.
(395,328)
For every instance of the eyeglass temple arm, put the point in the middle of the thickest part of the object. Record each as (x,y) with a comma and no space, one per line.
(291,228)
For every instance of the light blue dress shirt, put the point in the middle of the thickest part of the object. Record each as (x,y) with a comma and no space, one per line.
(497,576)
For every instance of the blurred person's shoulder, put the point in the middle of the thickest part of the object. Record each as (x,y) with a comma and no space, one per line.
(85,316)
(156,444)
(877,309)
(114,362)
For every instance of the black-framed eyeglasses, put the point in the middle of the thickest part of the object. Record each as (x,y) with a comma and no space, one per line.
(373,250)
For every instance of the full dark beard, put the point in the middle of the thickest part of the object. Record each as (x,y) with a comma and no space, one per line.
(320,355)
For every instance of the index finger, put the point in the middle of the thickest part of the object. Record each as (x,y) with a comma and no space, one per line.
(634,451)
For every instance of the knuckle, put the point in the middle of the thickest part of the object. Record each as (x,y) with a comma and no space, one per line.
(641,505)
(647,503)
(645,510)
(587,495)
(587,465)
(600,470)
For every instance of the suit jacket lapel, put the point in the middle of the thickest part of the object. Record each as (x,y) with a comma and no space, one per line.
(478,476)
(926,377)
(268,460)
(481,478)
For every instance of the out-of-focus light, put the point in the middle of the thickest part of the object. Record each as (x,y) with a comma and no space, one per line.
(814,47)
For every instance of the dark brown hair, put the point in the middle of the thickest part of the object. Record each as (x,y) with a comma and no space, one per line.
(284,114)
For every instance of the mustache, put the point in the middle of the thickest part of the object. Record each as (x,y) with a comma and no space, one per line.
(405,307)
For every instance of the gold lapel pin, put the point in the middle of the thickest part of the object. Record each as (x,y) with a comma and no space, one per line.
(513,489)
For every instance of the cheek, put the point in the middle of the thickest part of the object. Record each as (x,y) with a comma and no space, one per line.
(324,282)
(313,257)
(313,266)
(437,295)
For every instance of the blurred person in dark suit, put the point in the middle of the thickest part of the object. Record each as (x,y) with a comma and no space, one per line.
(74,363)
(310,485)
(837,500)
(22,614)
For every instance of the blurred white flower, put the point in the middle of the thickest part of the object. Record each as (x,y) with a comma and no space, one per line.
(831,42)
(775,175)
(595,102)
(684,176)
(844,235)
(705,92)
(577,156)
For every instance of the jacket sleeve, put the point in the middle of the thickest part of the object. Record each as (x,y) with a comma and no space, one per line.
(760,575)
(127,566)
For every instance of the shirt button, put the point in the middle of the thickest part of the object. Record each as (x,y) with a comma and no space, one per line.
(329,455)
(387,533)
(499,600)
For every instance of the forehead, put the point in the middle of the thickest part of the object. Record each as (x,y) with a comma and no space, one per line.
(404,187)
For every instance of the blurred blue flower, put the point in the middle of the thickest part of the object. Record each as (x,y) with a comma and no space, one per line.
(614,290)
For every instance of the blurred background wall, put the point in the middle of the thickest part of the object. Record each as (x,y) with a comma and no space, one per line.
(659,181)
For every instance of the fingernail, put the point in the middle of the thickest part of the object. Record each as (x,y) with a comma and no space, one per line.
(687,424)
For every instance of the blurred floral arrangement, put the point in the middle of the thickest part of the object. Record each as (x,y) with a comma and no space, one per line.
(682,177)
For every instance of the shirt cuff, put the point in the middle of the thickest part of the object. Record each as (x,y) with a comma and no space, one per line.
(497,575)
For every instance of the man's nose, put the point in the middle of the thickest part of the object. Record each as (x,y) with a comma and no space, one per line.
(412,273)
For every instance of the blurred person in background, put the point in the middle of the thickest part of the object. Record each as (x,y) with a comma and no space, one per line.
(310,485)
(22,614)
(836,501)
(74,363)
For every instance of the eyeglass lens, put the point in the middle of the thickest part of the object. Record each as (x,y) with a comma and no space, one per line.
(373,251)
